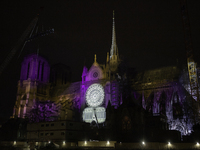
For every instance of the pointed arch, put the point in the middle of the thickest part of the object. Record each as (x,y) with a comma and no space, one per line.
(126,123)
(176,106)
(140,98)
(150,103)
(95,73)
(162,103)
(175,97)
(28,70)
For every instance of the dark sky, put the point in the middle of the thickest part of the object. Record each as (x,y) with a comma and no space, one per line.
(149,35)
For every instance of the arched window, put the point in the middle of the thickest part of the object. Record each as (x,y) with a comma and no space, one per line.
(150,103)
(38,73)
(177,107)
(162,102)
(126,123)
(42,73)
(28,70)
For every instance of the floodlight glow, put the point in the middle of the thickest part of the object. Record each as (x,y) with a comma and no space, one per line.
(197,143)
(169,143)
(14,143)
(85,142)
(143,143)
(63,142)
(108,142)
(49,141)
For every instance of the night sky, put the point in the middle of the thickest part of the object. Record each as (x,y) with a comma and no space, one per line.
(149,35)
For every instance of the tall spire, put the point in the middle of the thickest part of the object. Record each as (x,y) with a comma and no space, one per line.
(114,57)
(113,50)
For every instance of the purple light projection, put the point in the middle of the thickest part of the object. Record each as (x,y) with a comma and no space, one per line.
(171,99)
(175,102)
(34,79)
(43,111)
(115,94)
(35,67)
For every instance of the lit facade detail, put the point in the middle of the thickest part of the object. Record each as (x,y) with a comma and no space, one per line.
(95,95)
(192,71)
(101,114)
(97,114)
(94,99)
(33,84)
(88,115)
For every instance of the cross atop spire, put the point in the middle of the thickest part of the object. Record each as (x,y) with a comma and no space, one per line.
(95,60)
(113,50)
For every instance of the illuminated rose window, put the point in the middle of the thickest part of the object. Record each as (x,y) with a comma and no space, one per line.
(95,95)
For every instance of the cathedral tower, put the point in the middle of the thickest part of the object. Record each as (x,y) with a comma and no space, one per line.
(33,84)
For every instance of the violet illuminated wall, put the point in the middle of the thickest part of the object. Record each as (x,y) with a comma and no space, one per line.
(173,101)
(35,67)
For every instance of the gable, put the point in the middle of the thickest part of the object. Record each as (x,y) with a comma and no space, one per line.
(95,73)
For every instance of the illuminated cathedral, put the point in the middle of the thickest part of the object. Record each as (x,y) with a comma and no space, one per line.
(103,91)
(39,82)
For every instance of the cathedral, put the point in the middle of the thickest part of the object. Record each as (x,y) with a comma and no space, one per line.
(107,91)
